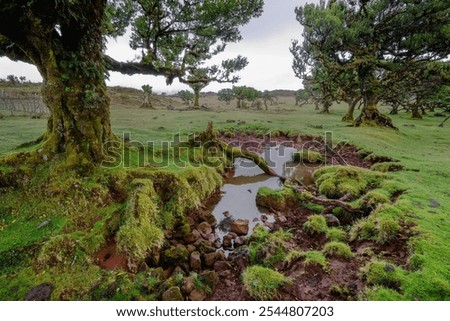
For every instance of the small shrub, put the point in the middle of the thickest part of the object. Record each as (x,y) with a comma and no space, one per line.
(336,234)
(382,273)
(263,283)
(338,249)
(315,224)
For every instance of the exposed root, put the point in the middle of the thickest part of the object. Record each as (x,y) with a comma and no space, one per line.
(374,118)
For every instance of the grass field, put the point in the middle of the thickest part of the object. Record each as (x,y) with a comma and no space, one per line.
(420,145)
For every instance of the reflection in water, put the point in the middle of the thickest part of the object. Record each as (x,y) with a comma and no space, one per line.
(239,192)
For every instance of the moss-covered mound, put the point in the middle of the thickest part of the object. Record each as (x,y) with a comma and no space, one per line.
(308,156)
(263,283)
(337,181)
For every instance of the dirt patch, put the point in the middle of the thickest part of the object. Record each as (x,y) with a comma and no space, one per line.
(108,258)
(341,154)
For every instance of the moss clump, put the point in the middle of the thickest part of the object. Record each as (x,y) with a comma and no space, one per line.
(263,283)
(315,224)
(292,256)
(60,251)
(316,257)
(336,234)
(380,293)
(276,199)
(337,181)
(141,234)
(372,199)
(176,255)
(387,167)
(268,248)
(363,229)
(338,249)
(308,156)
(382,273)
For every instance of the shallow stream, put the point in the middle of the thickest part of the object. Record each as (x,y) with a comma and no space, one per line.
(238,199)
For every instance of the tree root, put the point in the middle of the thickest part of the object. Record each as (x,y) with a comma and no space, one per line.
(234,152)
(374,118)
(330,204)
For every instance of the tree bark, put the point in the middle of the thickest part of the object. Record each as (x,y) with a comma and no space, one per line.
(351,109)
(71,63)
(196,98)
(370,115)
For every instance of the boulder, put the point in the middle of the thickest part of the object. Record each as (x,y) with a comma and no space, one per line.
(195,261)
(211,278)
(188,285)
(332,220)
(239,241)
(204,228)
(197,295)
(210,259)
(227,242)
(239,226)
(41,292)
(220,266)
(172,294)
(192,237)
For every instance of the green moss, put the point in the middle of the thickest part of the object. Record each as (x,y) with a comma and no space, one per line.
(316,257)
(381,293)
(338,249)
(276,199)
(387,230)
(308,156)
(336,234)
(263,283)
(372,199)
(383,273)
(61,251)
(363,229)
(337,181)
(141,234)
(387,167)
(315,224)
(176,255)
(292,256)
(268,248)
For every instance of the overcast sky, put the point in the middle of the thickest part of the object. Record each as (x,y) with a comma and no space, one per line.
(265,43)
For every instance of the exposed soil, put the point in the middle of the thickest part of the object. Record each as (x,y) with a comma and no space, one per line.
(341,154)
(108,258)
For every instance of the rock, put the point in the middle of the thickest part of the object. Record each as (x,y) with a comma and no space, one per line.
(211,278)
(176,254)
(227,242)
(204,246)
(268,225)
(332,220)
(233,235)
(239,241)
(256,219)
(264,218)
(239,257)
(188,285)
(220,266)
(41,292)
(191,248)
(240,227)
(226,214)
(204,228)
(195,261)
(212,238)
(192,237)
(168,234)
(210,259)
(172,294)
(190,221)
(178,270)
(282,218)
(197,295)
(218,244)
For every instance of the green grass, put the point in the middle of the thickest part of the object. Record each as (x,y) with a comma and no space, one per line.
(263,283)
(338,249)
(420,146)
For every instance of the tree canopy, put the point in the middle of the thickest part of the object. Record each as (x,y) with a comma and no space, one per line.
(65,40)
(369,45)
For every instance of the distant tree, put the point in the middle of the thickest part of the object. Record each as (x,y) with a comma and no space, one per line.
(301,97)
(148,91)
(13,80)
(197,88)
(267,96)
(378,40)
(239,93)
(186,96)
(23,79)
(226,95)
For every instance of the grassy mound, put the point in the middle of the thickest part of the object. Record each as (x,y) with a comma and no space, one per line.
(263,283)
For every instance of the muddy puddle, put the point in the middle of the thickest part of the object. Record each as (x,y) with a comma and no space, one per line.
(238,199)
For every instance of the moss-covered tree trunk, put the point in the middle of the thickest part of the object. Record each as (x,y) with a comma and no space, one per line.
(70,61)
(370,115)
(196,98)
(351,109)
